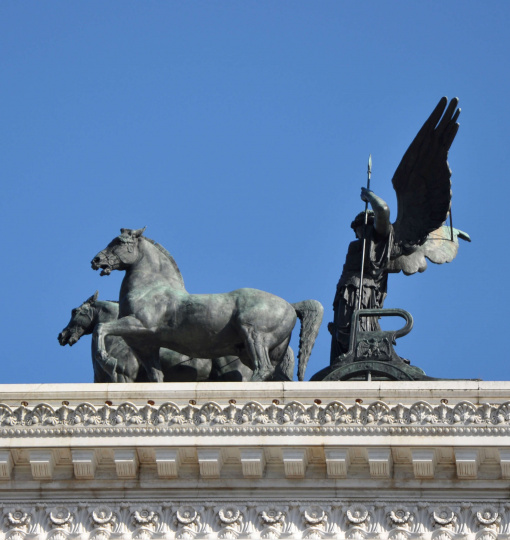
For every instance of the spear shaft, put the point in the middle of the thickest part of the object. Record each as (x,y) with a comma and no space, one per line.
(369,174)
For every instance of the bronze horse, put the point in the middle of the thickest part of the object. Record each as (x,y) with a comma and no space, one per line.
(155,311)
(124,366)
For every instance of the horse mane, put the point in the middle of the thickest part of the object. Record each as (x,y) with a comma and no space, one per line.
(160,248)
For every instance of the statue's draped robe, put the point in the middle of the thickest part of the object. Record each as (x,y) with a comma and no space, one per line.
(378,251)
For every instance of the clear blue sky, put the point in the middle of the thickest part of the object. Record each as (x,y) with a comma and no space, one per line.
(239,132)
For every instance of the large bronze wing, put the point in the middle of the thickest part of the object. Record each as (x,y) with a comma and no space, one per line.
(423,187)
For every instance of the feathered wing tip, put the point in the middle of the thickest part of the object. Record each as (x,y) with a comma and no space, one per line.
(441,246)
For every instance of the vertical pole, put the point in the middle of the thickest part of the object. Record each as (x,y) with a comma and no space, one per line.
(369,174)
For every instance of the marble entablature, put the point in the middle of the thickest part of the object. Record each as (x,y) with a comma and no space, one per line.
(246,460)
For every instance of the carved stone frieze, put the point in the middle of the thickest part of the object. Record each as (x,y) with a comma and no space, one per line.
(378,417)
(332,518)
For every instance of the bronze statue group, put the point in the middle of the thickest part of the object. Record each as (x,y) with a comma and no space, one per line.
(157,331)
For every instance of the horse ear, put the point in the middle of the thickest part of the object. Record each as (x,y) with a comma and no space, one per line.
(138,232)
(92,299)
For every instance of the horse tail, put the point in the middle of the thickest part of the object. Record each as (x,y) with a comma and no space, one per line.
(310,313)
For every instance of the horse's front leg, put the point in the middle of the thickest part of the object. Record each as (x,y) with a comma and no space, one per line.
(105,365)
(131,328)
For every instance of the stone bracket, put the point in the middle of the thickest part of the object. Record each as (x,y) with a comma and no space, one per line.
(380,462)
(337,462)
(6,464)
(467,461)
(84,463)
(210,462)
(126,463)
(424,462)
(295,462)
(42,464)
(168,462)
(253,462)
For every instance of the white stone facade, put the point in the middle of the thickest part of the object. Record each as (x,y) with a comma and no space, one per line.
(382,460)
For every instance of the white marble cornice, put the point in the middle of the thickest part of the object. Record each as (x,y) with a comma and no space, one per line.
(389,461)
(459,410)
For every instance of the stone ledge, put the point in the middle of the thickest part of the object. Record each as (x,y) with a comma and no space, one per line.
(182,393)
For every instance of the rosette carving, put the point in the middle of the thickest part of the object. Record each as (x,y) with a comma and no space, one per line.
(444,516)
(315,516)
(357,514)
(18,519)
(400,516)
(187,520)
(489,517)
(186,515)
(103,517)
(229,515)
(60,517)
(145,517)
(230,518)
(272,516)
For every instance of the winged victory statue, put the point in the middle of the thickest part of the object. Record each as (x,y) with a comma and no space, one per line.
(422,183)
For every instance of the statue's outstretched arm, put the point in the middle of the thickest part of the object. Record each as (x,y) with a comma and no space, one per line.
(381,212)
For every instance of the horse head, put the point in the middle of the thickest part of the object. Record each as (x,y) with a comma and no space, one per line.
(120,253)
(82,322)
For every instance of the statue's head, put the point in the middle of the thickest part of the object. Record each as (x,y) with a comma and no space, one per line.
(120,253)
(359,222)
(82,322)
